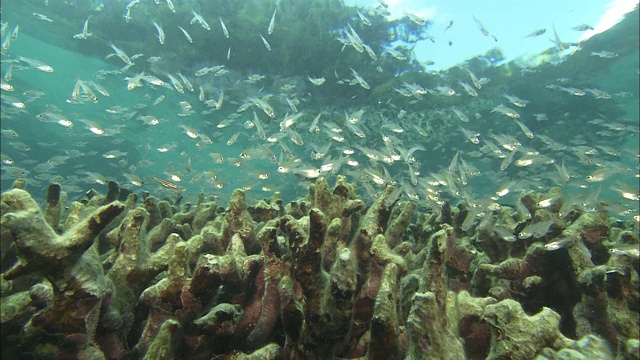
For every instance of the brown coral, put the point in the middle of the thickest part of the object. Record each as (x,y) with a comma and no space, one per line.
(322,277)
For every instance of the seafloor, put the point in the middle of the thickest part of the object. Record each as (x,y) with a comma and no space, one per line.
(324,277)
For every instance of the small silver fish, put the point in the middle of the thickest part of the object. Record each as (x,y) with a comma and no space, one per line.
(265,42)
(559,244)
(537,33)
(161,36)
(630,250)
(272,23)
(186,34)
(582,27)
(224,28)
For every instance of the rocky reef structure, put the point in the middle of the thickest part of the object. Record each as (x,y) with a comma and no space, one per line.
(323,277)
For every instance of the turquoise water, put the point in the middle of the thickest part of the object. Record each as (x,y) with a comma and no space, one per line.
(585,134)
(329,90)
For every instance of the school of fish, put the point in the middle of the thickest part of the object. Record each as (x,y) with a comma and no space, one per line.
(217,128)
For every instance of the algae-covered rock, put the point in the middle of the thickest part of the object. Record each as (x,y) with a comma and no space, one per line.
(40,249)
(451,330)
(223,318)
(586,348)
(163,345)
(268,352)
(324,277)
(519,336)
(385,325)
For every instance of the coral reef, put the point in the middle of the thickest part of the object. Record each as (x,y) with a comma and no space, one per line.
(323,277)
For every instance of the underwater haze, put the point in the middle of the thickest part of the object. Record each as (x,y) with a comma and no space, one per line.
(178,99)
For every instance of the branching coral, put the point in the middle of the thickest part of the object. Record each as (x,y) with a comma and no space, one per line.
(323,277)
